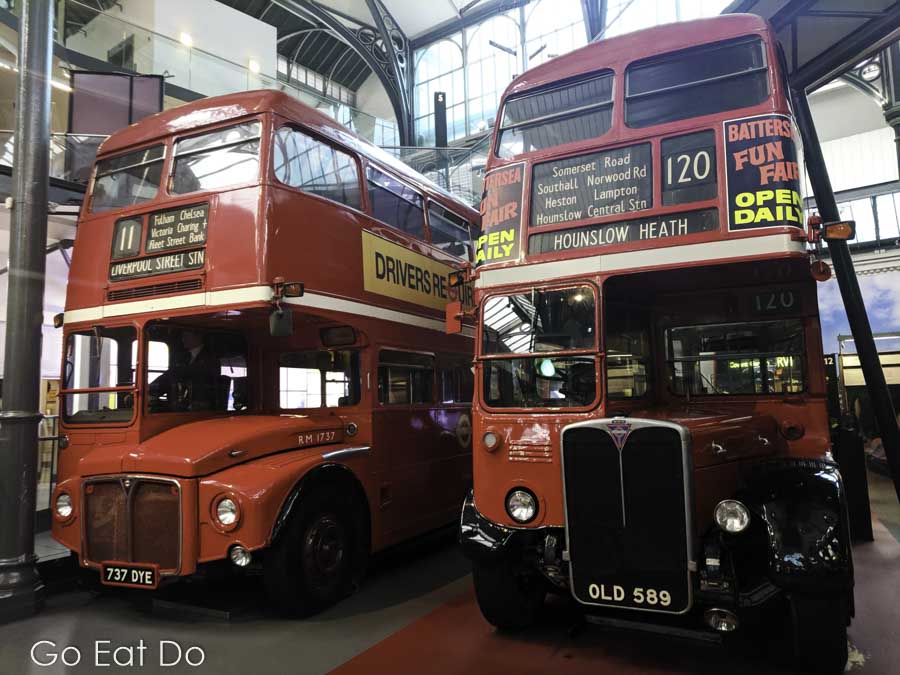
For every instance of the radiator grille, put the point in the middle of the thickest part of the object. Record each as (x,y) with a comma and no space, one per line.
(133,520)
(156,289)
(626,516)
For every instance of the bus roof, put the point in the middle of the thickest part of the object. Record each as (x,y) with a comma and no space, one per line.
(216,109)
(639,44)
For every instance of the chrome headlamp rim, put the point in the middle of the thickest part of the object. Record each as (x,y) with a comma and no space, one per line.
(725,512)
(526,499)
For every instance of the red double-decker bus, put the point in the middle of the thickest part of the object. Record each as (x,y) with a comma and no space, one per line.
(255,365)
(650,422)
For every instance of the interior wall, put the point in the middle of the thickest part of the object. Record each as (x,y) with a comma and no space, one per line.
(372,98)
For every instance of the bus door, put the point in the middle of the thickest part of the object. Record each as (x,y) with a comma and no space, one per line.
(404,430)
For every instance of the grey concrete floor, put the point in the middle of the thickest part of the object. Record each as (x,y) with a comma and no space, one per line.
(402,587)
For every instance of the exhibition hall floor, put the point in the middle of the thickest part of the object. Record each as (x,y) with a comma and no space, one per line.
(416,614)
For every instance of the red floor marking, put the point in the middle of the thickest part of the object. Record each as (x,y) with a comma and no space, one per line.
(455,639)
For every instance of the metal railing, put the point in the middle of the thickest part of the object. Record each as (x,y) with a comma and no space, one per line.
(114,40)
(71,155)
(48,455)
(457,170)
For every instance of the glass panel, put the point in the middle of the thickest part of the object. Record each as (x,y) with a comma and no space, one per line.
(550,382)
(303,162)
(681,86)
(539,321)
(216,160)
(405,378)
(746,358)
(581,127)
(129,179)
(706,99)
(216,139)
(457,384)
(396,204)
(628,360)
(319,378)
(193,369)
(695,65)
(97,359)
(559,100)
(449,232)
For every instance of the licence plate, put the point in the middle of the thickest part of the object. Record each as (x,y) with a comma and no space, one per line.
(129,575)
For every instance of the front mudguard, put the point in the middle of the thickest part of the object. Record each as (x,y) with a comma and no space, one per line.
(803,506)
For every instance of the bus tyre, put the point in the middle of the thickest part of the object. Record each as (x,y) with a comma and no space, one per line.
(508,599)
(819,631)
(312,565)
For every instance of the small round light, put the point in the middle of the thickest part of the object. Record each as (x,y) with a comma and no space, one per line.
(732,516)
(227,512)
(547,368)
(63,506)
(491,441)
(521,505)
(240,556)
(721,620)
(792,430)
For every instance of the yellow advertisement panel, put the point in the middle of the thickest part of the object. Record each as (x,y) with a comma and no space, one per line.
(395,271)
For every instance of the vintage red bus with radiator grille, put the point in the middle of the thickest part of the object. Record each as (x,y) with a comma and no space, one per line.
(256,373)
(650,428)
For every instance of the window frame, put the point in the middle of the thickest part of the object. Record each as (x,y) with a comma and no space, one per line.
(175,156)
(163,179)
(144,360)
(356,352)
(134,388)
(597,348)
(697,49)
(434,369)
(337,147)
(668,371)
(470,242)
(423,206)
(567,114)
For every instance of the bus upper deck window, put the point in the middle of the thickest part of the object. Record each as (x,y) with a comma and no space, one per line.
(574,111)
(449,232)
(701,81)
(217,159)
(314,167)
(127,179)
(396,204)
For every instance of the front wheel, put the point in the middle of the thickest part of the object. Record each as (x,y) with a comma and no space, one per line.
(509,599)
(819,627)
(312,564)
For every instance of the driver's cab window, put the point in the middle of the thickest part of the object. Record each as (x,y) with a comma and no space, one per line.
(193,369)
(627,334)
(318,378)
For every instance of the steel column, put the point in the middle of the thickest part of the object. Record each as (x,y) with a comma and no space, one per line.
(848,283)
(21,590)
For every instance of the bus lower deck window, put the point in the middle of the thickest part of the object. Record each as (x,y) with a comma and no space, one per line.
(764,357)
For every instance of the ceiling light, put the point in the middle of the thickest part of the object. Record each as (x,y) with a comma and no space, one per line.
(253,66)
(186,39)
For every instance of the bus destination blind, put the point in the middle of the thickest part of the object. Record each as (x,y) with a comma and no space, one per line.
(592,186)
(177,228)
(621,232)
(154,265)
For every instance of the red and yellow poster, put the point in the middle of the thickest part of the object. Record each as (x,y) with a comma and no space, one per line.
(501,215)
(763,173)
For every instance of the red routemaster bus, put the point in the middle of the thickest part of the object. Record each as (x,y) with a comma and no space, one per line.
(649,420)
(255,365)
